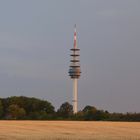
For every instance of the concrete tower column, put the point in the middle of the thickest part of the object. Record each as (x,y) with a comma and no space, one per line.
(75,93)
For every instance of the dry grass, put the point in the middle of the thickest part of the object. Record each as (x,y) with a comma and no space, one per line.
(68,130)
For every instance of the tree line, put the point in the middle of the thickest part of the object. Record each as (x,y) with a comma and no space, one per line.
(29,108)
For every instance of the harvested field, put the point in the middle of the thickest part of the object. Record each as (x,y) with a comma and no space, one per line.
(68,130)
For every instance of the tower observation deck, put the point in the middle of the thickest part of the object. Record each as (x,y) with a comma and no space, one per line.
(75,71)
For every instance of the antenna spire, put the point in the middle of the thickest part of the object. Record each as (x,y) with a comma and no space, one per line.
(75,37)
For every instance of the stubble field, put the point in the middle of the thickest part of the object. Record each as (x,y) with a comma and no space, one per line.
(68,130)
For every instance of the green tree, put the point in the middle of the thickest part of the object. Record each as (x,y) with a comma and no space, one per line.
(31,106)
(78,116)
(89,108)
(1,109)
(65,110)
(15,112)
(90,113)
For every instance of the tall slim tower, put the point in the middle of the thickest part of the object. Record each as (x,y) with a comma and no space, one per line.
(74,71)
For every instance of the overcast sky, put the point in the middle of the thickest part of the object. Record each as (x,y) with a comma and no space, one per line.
(35,38)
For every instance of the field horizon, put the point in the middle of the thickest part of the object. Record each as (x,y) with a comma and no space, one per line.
(69,130)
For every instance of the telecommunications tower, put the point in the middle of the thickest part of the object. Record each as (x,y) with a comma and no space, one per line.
(74,70)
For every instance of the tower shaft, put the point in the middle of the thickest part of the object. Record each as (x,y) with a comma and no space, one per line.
(75,94)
